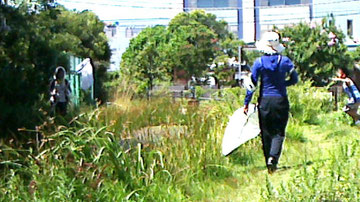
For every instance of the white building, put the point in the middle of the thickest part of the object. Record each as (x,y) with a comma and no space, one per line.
(346,14)
(119,39)
(250,18)
(122,31)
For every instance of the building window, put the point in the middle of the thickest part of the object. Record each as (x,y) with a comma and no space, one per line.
(283,2)
(264,2)
(350,28)
(212,3)
(233,3)
(292,2)
(113,31)
(129,32)
(204,3)
(276,2)
(221,3)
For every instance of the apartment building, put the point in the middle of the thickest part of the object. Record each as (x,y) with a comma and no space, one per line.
(346,14)
(248,19)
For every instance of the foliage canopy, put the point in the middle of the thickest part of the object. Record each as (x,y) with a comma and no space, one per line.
(188,45)
(30,50)
(316,50)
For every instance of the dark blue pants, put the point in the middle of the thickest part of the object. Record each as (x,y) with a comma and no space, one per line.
(273,117)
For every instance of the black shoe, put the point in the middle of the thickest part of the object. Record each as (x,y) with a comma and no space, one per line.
(271,165)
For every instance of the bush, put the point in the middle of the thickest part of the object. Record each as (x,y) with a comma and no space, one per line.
(307,102)
(31,49)
(316,50)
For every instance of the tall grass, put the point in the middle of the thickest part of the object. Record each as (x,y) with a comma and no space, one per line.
(103,155)
(169,150)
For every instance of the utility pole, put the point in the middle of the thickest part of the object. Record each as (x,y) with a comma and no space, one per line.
(239,60)
(255,19)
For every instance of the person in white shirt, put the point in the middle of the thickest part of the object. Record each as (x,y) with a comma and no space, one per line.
(353,93)
(60,91)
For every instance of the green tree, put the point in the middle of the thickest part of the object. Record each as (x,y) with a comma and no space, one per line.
(316,50)
(223,72)
(25,58)
(190,44)
(195,41)
(355,55)
(32,47)
(141,63)
(84,37)
(80,34)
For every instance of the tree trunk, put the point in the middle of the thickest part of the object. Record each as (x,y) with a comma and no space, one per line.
(356,76)
(217,82)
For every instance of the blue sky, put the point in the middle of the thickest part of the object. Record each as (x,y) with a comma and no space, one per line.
(113,10)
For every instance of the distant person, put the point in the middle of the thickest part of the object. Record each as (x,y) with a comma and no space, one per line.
(353,93)
(273,69)
(244,75)
(60,91)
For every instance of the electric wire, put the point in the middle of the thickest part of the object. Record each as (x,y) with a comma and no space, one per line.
(208,8)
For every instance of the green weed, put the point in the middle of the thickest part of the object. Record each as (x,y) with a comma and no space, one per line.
(170,150)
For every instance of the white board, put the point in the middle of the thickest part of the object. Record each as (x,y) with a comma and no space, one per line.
(240,129)
(86,70)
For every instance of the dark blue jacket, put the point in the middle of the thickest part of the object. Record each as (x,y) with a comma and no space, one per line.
(272,70)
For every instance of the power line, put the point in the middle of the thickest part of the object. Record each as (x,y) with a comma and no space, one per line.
(233,8)
(207,8)
(146,2)
(117,2)
(122,5)
(293,18)
(288,19)
(319,13)
(353,12)
(270,7)
(137,19)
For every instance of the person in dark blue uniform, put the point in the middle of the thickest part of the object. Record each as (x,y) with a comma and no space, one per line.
(276,72)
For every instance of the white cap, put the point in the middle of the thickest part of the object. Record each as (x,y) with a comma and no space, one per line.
(270,43)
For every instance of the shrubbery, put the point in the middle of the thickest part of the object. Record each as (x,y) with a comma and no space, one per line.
(30,51)
(135,149)
(316,50)
(308,102)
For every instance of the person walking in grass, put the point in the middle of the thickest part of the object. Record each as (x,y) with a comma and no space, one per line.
(273,69)
(60,91)
(353,93)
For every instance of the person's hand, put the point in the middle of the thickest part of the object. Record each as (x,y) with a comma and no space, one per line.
(246,109)
(52,99)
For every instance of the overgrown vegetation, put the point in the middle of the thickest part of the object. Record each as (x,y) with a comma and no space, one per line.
(166,150)
(317,50)
(34,44)
(185,48)
(161,149)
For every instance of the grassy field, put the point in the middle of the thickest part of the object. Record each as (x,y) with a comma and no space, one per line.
(167,150)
